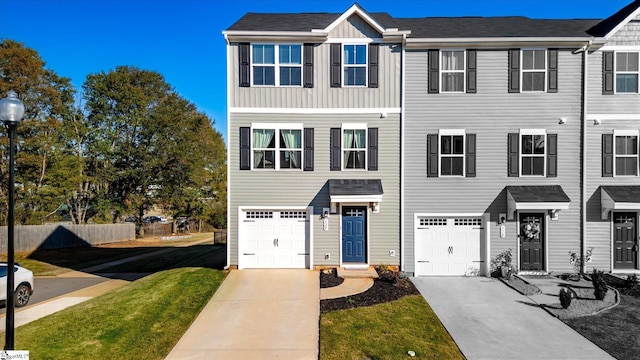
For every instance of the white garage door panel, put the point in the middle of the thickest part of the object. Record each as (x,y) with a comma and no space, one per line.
(274,239)
(448,246)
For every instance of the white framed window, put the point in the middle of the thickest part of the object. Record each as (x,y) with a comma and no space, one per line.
(627,71)
(533,69)
(451,157)
(276,146)
(453,70)
(354,146)
(354,65)
(625,153)
(276,64)
(533,151)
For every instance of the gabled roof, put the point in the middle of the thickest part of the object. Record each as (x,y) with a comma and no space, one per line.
(538,194)
(613,23)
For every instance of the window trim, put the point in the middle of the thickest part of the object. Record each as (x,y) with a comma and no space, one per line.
(355,126)
(277,128)
(617,133)
(345,65)
(452,132)
(616,72)
(276,65)
(532,132)
(544,71)
(442,71)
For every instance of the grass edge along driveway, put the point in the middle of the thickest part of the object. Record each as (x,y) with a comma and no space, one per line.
(142,320)
(386,331)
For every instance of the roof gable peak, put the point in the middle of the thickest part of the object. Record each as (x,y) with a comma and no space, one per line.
(355,9)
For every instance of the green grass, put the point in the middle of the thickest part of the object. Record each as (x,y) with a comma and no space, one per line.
(615,330)
(386,331)
(142,320)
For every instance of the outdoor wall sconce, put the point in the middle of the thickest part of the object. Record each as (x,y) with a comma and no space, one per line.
(563,120)
(596,122)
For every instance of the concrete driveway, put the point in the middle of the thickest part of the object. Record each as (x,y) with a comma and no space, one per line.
(257,314)
(489,320)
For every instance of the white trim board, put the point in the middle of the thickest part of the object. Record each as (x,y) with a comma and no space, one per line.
(263,110)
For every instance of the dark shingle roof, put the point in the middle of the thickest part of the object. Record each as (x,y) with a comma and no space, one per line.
(630,194)
(548,193)
(355,187)
(296,22)
(608,24)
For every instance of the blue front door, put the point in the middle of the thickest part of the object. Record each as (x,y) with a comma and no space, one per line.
(354,233)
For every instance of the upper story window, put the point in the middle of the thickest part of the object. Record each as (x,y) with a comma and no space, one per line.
(532,154)
(534,70)
(276,64)
(277,148)
(354,65)
(353,147)
(453,70)
(626,155)
(451,153)
(627,72)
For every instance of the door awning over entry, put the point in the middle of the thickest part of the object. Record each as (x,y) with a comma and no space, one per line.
(549,197)
(355,191)
(619,198)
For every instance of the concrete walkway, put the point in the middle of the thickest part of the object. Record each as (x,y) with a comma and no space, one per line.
(349,287)
(489,320)
(257,314)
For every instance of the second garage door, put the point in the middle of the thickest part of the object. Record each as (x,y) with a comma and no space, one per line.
(448,246)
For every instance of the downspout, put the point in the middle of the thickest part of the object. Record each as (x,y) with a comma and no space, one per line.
(402,110)
(583,159)
(229,74)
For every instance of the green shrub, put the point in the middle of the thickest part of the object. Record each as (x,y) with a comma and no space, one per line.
(631,281)
(565,298)
(599,284)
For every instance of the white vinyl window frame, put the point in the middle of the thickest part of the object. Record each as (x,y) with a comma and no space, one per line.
(277,149)
(444,71)
(361,148)
(525,72)
(535,133)
(277,65)
(356,65)
(616,155)
(451,133)
(635,72)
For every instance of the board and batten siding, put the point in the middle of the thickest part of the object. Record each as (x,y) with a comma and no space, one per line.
(492,113)
(354,27)
(310,188)
(322,95)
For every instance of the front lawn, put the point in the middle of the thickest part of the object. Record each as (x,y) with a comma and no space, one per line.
(142,320)
(386,331)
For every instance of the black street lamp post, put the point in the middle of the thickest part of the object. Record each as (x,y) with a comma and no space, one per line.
(11,112)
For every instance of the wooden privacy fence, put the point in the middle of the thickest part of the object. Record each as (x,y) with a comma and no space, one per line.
(56,236)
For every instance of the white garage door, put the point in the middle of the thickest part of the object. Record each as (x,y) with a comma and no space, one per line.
(448,246)
(273,239)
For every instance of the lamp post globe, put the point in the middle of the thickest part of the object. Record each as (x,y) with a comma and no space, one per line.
(11,112)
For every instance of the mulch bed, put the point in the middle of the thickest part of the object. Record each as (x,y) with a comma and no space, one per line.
(329,278)
(623,286)
(388,287)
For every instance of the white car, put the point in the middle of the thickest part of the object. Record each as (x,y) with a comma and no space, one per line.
(23,284)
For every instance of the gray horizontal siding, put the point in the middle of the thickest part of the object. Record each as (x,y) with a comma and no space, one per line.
(492,113)
(387,95)
(606,104)
(305,188)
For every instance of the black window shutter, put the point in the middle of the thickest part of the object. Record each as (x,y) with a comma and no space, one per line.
(374,53)
(432,155)
(471,155)
(373,149)
(245,148)
(308,66)
(552,71)
(514,70)
(336,65)
(308,149)
(607,73)
(513,154)
(244,64)
(336,149)
(434,71)
(552,155)
(607,155)
(471,71)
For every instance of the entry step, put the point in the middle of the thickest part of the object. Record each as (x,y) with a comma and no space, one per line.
(357,272)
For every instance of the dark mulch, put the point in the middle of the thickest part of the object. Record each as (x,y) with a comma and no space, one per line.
(388,287)
(624,286)
(329,278)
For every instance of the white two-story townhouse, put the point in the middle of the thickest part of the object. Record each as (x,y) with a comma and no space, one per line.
(612,130)
(314,140)
(491,143)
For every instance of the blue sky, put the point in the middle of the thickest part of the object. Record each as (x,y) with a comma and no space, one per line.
(182,40)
